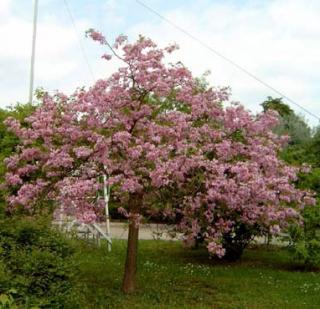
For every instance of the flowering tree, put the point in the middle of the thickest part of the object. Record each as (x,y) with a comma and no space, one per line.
(119,128)
(239,189)
(151,128)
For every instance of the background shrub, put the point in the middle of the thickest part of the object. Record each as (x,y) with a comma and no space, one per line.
(37,262)
(305,239)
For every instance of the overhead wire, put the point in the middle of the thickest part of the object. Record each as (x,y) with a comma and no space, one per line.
(230,61)
(84,54)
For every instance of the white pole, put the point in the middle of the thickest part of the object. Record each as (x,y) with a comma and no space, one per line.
(106,193)
(33,51)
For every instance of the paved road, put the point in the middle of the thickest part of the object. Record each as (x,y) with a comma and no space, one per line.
(146,231)
(119,230)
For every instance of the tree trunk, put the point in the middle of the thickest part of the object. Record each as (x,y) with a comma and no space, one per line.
(235,244)
(129,279)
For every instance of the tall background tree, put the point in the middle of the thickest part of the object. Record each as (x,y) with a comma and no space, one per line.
(290,123)
(303,149)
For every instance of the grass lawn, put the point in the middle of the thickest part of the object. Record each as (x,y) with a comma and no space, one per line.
(170,277)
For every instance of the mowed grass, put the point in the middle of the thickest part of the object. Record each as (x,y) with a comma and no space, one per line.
(170,277)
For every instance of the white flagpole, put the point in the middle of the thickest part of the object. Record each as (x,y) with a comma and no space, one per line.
(33,51)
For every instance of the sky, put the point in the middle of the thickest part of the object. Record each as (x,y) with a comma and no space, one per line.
(276,40)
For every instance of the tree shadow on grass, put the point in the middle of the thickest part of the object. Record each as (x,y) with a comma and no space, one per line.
(271,257)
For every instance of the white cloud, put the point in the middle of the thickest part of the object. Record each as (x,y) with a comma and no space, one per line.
(4,8)
(112,15)
(276,40)
(58,57)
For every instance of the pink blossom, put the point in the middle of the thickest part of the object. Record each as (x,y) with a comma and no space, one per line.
(87,217)
(120,40)
(131,185)
(12,179)
(305,169)
(123,212)
(82,152)
(106,56)
(96,36)
(216,249)
(275,229)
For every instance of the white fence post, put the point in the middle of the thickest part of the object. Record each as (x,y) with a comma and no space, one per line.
(106,193)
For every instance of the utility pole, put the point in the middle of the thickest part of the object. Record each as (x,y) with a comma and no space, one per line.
(33,51)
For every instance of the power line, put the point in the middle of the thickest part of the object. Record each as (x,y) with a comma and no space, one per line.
(239,67)
(79,40)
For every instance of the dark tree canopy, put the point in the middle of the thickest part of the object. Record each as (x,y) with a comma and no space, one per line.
(277,105)
(290,124)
